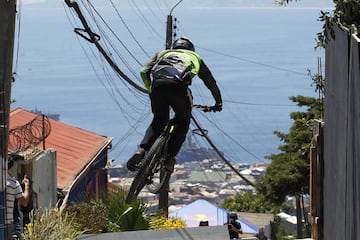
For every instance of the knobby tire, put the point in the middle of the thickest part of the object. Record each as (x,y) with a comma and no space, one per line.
(156,153)
(152,158)
(137,184)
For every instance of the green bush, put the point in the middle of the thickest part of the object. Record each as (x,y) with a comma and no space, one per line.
(110,213)
(90,216)
(52,225)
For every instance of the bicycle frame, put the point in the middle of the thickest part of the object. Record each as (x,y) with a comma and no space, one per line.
(154,163)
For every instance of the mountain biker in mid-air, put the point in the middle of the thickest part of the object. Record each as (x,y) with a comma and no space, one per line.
(167,77)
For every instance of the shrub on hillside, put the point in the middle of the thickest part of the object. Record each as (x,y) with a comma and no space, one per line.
(52,224)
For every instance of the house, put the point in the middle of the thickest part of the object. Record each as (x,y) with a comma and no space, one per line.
(80,156)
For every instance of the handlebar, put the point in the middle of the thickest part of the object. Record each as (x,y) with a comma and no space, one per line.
(205,108)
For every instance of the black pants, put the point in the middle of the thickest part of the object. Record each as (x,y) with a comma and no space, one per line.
(163,96)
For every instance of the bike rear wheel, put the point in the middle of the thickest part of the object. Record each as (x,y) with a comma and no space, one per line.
(149,167)
(159,181)
(137,185)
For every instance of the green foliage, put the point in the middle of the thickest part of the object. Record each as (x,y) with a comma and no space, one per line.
(248,202)
(108,214)
(278,232)
(289,173)
(327,29)
(127,217)
(284,2)
(287,208)
(90,216)
(346,13)
(319,83)
(52,225)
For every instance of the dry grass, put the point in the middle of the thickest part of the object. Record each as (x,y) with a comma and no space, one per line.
(52,225)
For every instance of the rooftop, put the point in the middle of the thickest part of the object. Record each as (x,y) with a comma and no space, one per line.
(75,147)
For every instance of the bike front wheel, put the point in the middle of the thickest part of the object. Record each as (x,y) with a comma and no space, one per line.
(158,177)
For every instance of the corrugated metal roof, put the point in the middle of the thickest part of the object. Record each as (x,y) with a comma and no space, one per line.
(201,176)
(75,147)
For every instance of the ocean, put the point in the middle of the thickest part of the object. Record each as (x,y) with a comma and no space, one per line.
(259,54)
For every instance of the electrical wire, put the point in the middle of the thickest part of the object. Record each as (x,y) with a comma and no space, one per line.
(111,85)
(145,20)
(216,125)
(154,15)
(129,31)
(114,91)
(254,62)
(109,41)
(160,8)
(148,23)
(19,14)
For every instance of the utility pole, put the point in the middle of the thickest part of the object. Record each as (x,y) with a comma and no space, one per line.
(164,194)
(7,35)
(169,27)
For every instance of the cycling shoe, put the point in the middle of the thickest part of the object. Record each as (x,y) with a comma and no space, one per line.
(132,163)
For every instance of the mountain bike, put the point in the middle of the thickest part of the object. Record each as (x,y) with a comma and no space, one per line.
(152,171)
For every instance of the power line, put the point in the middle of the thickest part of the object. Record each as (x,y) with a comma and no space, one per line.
(236,102)
(254,62)
(227,135)
(145,20)
(128,29)
(252,104)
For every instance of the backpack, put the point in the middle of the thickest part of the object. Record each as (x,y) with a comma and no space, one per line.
(171,66)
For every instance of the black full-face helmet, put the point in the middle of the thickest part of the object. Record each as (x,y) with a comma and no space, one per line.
(183,43)
(233,216)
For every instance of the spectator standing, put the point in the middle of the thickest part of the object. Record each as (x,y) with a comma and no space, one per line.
(234,227)
(29,210)
(261,235)
(14,191)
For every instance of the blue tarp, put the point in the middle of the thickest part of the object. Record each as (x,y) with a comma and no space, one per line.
(248,227)
(202,210)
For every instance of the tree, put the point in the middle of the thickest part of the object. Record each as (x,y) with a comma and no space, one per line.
(247,202)
(346,13)
(289,171)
